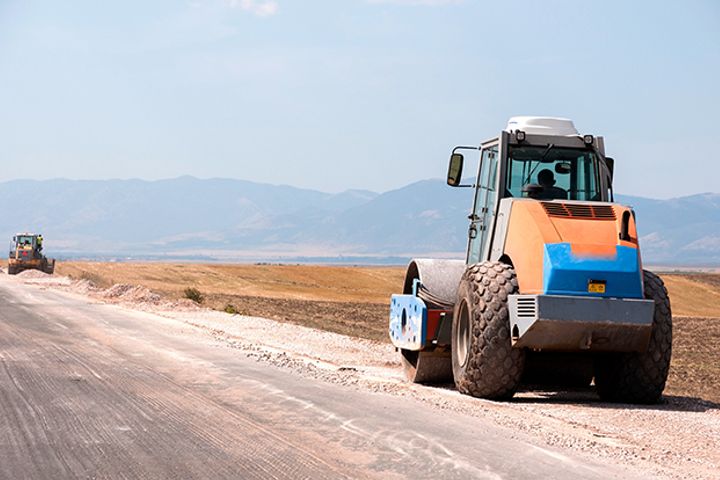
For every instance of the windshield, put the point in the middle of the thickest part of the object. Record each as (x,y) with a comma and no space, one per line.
(24,240)
(549,173)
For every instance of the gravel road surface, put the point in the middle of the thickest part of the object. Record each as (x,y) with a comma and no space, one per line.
(94,390)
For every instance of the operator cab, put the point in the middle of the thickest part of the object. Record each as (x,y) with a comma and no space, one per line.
(535,158)
(24,240)
(551,168)
(542,158)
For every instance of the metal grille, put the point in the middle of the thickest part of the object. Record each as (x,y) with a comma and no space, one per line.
(579,210)
(526,307)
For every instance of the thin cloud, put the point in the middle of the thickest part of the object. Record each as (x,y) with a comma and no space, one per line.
(261,8)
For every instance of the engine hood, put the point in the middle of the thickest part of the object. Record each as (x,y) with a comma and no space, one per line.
(561,247)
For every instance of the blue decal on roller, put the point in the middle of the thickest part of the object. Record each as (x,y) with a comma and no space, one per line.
(565,273)
(408,322)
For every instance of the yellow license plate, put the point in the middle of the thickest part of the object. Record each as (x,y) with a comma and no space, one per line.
(596,287)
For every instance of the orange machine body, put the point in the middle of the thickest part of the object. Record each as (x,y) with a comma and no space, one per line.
(559,247)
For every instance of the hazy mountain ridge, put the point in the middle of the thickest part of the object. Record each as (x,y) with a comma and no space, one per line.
(192,216)
(679,230)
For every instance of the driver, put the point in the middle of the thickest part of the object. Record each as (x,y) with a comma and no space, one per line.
(546,179)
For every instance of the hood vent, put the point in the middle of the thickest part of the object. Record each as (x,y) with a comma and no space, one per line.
(579,210)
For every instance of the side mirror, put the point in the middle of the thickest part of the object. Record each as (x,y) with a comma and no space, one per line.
(455,169)
(610,162)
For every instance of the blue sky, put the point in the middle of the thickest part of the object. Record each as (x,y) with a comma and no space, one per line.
(368,94)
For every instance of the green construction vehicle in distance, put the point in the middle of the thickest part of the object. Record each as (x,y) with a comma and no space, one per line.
(26,254)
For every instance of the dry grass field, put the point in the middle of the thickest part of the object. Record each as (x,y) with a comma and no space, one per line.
(354,301)
(296,282)
(348,300)
(695,368)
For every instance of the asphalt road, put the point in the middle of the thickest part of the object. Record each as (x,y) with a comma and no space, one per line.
(95,391)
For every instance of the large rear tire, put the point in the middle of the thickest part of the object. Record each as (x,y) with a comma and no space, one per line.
(426,367)
(640,377)
(12,270)
(484,362)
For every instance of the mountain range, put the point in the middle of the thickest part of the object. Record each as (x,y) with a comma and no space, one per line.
(224,219)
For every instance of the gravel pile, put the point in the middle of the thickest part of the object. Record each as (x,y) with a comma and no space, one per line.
(41,278)
(84,287)
(33,274)
(130,294)
(133,296)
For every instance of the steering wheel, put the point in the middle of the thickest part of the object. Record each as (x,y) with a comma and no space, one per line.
(532,190)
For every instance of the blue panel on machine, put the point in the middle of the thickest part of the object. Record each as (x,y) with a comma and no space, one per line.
(408,320)
(565,273)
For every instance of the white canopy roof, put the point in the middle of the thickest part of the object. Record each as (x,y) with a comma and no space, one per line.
(542,125)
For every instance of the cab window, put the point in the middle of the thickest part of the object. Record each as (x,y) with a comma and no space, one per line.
(552,173)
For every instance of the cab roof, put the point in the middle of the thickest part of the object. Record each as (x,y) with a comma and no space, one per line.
(542,126)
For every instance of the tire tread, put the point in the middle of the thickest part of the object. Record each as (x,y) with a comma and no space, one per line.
(641,377)
(493,368)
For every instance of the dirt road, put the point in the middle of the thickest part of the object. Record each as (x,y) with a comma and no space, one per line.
(89,390)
